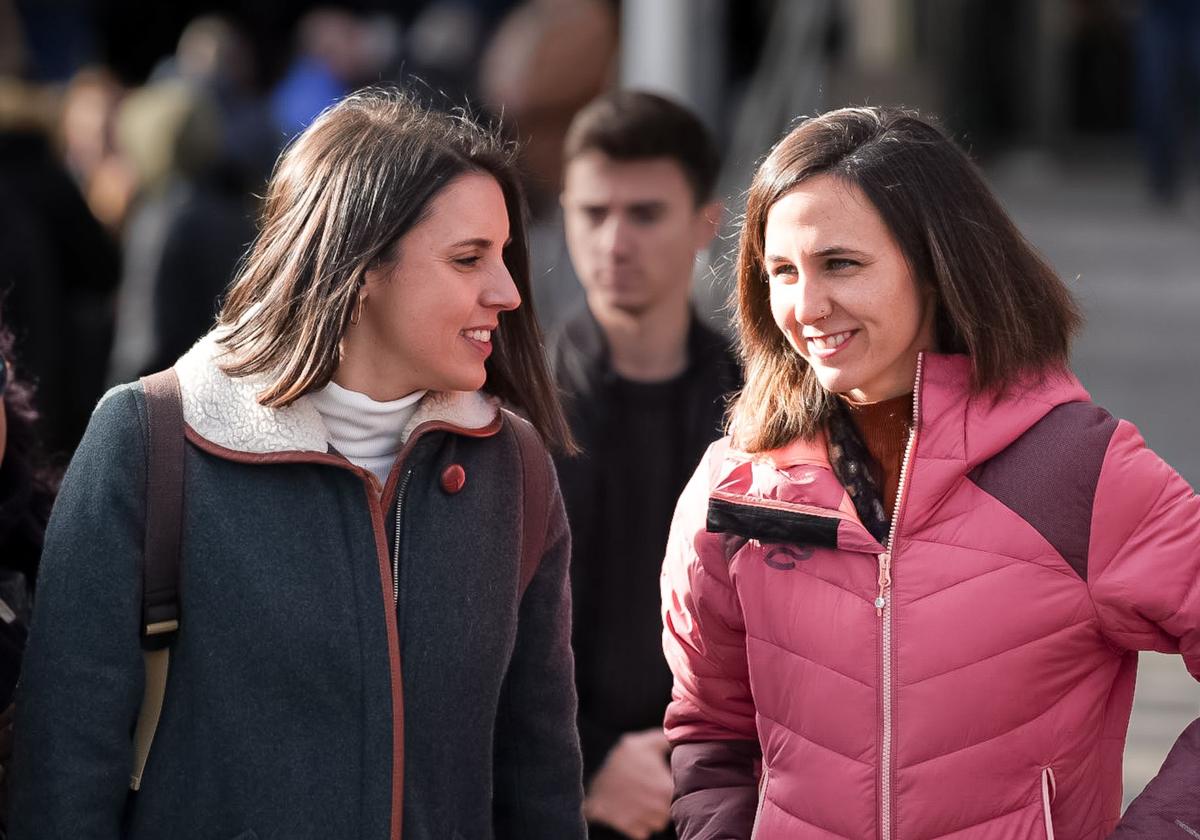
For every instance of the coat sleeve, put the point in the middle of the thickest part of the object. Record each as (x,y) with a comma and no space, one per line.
(82,678)
(1144,575)
(538,769)
(710,720)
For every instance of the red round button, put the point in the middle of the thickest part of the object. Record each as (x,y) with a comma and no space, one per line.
(454,478)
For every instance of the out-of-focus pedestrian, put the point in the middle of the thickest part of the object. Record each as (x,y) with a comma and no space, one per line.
(87,142)
(60,269)
(911,586)
(189,225)
(336,51)
(374,614)
(216,56)
(1168,55)
(645,384)
(545,61)
(27,488)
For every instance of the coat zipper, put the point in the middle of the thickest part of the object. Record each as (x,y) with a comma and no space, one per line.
(883,608)
(400,493)
(1049,789)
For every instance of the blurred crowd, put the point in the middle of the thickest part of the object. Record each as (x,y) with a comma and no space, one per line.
(124,208)
(127,198)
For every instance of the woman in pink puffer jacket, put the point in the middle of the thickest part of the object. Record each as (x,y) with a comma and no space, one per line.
(904,599)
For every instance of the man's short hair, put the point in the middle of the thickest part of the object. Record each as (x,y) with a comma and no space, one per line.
(631,125)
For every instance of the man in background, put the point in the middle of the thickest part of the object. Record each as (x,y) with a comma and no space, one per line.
(645,385)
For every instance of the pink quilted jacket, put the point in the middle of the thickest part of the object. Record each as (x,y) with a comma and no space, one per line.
(975,680)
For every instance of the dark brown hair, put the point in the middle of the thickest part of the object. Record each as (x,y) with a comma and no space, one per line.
(996,298)
(631,125)
(342,195)
(28,481)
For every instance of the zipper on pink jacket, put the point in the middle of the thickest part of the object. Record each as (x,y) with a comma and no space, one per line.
(883,608)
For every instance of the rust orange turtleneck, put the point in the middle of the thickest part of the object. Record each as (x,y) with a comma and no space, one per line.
(884,428)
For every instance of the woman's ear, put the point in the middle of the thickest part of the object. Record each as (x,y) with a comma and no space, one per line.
(369,278)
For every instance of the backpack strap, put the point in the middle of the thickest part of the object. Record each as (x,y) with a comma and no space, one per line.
(535,497)
(161,555)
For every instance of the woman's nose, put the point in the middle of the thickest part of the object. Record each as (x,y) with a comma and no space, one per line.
(501,292)
(812,303)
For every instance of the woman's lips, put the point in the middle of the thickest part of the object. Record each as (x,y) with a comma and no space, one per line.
(829,345)
(480,339)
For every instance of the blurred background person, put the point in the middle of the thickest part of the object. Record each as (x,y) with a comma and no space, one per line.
(59,267)
(215,56)
(87,143)
(336,51)
(546,60)
(189,223)
(645,385)
(28,484)
(1168,66)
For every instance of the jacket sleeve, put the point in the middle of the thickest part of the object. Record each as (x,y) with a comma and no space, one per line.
(81,684)
(1144,575)
(710,720)
(538,769)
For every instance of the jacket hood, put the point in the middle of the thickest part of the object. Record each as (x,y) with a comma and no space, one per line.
(957,430)
(225,410)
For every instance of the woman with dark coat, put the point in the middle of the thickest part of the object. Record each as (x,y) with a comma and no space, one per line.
(27,487)
(28,483)
(356,655)
(905,598)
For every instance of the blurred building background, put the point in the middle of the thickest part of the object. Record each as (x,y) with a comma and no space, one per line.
(136,135)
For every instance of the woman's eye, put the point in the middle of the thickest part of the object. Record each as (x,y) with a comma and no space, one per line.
(837,264)
(782,271)
(467,262)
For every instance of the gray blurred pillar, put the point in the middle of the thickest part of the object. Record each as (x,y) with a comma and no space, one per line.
(677,48)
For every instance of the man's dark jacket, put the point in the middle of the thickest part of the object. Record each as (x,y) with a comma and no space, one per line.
(591,392)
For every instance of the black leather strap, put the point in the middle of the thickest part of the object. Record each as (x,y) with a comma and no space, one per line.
(164,510)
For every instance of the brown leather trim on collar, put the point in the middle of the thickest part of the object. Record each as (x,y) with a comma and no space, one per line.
(298,456)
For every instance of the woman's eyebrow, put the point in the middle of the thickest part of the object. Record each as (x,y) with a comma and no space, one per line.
(827,251)
(477,242)
(830,250)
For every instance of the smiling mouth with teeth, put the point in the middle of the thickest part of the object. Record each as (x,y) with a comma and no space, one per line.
(478,335)
(829,342)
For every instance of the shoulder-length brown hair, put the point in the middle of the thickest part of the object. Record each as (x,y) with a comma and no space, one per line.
(996,298)
(345,191)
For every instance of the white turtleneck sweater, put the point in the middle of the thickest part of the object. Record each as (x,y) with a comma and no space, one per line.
(366,431)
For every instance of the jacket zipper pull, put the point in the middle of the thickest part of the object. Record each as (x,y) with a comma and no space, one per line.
(885,581)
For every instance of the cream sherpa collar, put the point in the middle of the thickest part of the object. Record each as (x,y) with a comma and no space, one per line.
(225,410)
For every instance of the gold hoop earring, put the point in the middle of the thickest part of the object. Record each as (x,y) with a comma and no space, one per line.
(356,315)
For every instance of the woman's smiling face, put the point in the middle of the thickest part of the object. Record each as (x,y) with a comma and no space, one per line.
(842,292)
(428,317)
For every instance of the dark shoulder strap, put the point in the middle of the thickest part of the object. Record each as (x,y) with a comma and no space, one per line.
(161,560)
(535,497)
(164,509)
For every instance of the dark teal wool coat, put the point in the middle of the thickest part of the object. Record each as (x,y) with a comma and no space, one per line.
(300,701)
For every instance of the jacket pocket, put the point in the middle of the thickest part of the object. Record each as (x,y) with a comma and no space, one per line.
(1049,789)
(762,798)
